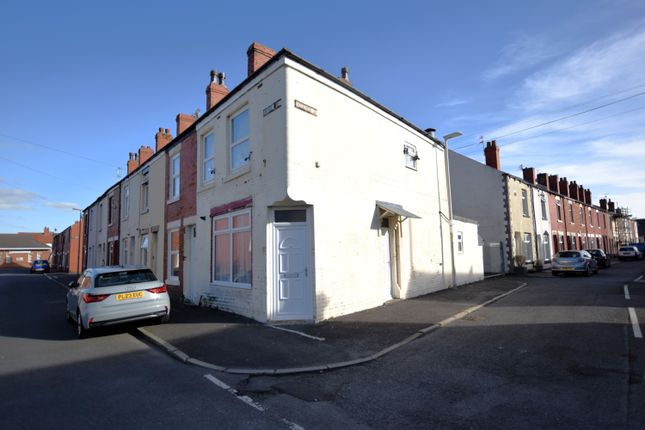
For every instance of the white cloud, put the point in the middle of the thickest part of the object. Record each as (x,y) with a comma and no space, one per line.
(17,199)
(609,65)
(452,103)
(520,55)
(62,205)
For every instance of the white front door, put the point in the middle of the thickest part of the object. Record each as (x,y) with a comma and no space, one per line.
(292,286)
(189,260)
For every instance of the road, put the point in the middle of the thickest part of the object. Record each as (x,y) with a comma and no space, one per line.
(560,353)
(51,380)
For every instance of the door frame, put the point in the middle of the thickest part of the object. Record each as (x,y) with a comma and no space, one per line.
(272,266)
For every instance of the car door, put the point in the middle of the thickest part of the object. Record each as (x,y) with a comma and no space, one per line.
(73,293)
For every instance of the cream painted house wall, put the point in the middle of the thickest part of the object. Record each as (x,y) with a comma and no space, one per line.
(151,222)
(543,233)
(521,223)
(129,228)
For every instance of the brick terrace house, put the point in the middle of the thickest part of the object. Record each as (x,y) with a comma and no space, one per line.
(21,249)
(65,249)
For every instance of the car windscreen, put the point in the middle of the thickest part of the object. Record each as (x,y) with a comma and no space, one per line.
(112,279)
(569,254)
(627,248)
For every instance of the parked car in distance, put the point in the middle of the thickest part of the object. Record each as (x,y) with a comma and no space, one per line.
(40,266)
(640,246)
(114,295)
(629,253)
(573,262)
(601,258)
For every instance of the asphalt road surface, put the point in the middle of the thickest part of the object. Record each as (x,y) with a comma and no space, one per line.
(51,380)
(561,353)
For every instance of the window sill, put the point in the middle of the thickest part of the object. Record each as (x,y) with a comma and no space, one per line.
(145,211)
(172,200)
(174,281)
(207,186)
(239,172)
(231,285)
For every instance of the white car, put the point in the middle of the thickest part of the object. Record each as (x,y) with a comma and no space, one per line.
(629,252)
(113,295)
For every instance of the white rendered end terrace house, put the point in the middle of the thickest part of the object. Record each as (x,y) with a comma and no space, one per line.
(313,201)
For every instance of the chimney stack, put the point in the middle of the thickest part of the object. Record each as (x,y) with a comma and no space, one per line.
(573,190)
(603,204)
(491,153)
(554,183)
(133,162)
(162,138)
(564,186)
(581,194)
(529,174)
(611,206)
(344,75)
(145,152)
(184,121)
(216,90)
(588,197)
(542,180)
(258,55)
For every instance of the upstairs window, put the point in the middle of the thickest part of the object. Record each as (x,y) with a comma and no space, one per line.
(411,157)
(240,140)
(525,204)
(174,179)
(543,205)
(559,209)
(126,201)
(460,242)
(571,212)
(144,197)
(110,204)
(208,165)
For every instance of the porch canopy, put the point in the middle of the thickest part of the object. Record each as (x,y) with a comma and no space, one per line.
(392,209)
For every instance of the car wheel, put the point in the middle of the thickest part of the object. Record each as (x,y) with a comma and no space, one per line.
(81,331)
(588,271)
(164,319)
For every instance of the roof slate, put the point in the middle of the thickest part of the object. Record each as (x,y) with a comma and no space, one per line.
(20,241)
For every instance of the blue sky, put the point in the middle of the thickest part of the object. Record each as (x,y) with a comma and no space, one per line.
(82,84)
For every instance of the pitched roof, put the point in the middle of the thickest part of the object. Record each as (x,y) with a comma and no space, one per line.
(20,242)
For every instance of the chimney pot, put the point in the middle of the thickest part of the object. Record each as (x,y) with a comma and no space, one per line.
(216,89)
(491,153)
(258,55)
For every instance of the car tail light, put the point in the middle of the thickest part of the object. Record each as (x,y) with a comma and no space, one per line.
(158,290)
(92,298)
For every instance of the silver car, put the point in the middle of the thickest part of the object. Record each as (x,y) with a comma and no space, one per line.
(114,295)
(573,262)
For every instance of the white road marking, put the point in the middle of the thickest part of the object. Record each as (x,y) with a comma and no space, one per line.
(635,326)
(638,279)
(249,401)
(322,339)
(626,292)
(246,399)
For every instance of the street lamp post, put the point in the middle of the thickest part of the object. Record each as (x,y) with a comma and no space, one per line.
(78,257)
(446,138)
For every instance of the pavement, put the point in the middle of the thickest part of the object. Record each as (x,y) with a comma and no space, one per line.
(230,343)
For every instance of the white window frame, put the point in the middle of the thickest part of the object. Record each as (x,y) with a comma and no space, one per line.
(229,232)
(527,240)
(411,155)
(110,214)
(126,201)
(175,177)
(543,206)
(546,243)
(208,172)
(240,141)
(525,204)
(145,197)
(169,275)
(144,249)
(460,242)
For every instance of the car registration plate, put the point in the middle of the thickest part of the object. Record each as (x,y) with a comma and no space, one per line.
(129,296)
(566,268)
